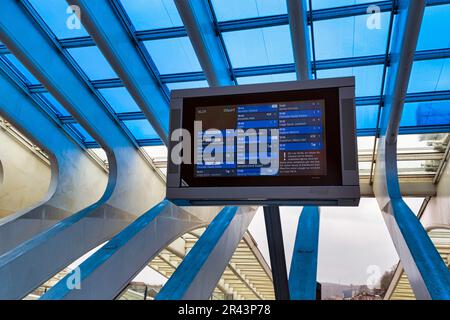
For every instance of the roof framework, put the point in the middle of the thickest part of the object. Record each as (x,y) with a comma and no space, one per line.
(117,100)
(246,277)
(400,288)
(420,162)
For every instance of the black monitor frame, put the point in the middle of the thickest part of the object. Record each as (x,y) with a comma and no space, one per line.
(340,185)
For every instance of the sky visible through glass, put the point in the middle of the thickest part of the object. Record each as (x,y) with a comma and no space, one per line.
(334,39)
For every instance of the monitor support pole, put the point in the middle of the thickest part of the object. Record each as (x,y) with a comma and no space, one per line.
(276,250)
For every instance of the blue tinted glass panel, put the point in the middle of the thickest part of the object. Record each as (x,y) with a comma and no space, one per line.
(120,100)
(258,47)
(152,14)
(366,117)
(368,78)
(174,55)
(93,63)
(141,129)
(434,32)
(322,4)
(85,137)
(426,113)
(241,9)
(22,70)
(187,85)
(430,75)
(60,18)
(267,78)
(55,104)
(350,37)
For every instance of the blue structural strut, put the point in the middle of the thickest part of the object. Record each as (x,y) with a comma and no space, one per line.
(197,275)
(426,271)
(303,273)
(108,271)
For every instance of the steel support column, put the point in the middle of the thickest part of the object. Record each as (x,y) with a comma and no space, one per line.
(303,274)
(200,271)
(122,50)
(76,180)
(108,271)
(132,188)
(427,273)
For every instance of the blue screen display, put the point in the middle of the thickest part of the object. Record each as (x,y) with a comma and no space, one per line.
(279,139)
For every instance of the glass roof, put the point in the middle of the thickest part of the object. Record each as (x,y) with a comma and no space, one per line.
(259,47)
(258,53)
(120,100)
(368,78)
(436,18)
(241,9)
(426,114)
(54,104)
(322,4)
(256,39)
(267,78)
(153,14)
(430,75)
(187,85)
(55,14)
(92,63)
(366,117)
(349,37)
(173,55)
(21,69)
(85,137)
(141,129)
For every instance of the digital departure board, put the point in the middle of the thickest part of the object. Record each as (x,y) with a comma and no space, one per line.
(290,143)
(300,136)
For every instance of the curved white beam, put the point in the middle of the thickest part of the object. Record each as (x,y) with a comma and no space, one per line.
(76,180)
(132,188)
(108,271)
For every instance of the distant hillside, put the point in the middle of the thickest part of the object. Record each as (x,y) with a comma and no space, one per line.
(334,290)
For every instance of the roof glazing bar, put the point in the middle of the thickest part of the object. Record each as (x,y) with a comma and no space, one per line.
(105,22)
(199,23)
(298,23)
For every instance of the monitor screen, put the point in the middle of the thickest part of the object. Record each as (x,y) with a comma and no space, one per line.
(285,143)
(276,139)
(283,138)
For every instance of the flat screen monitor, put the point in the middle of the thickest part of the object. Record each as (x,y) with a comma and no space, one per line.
(291,143)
